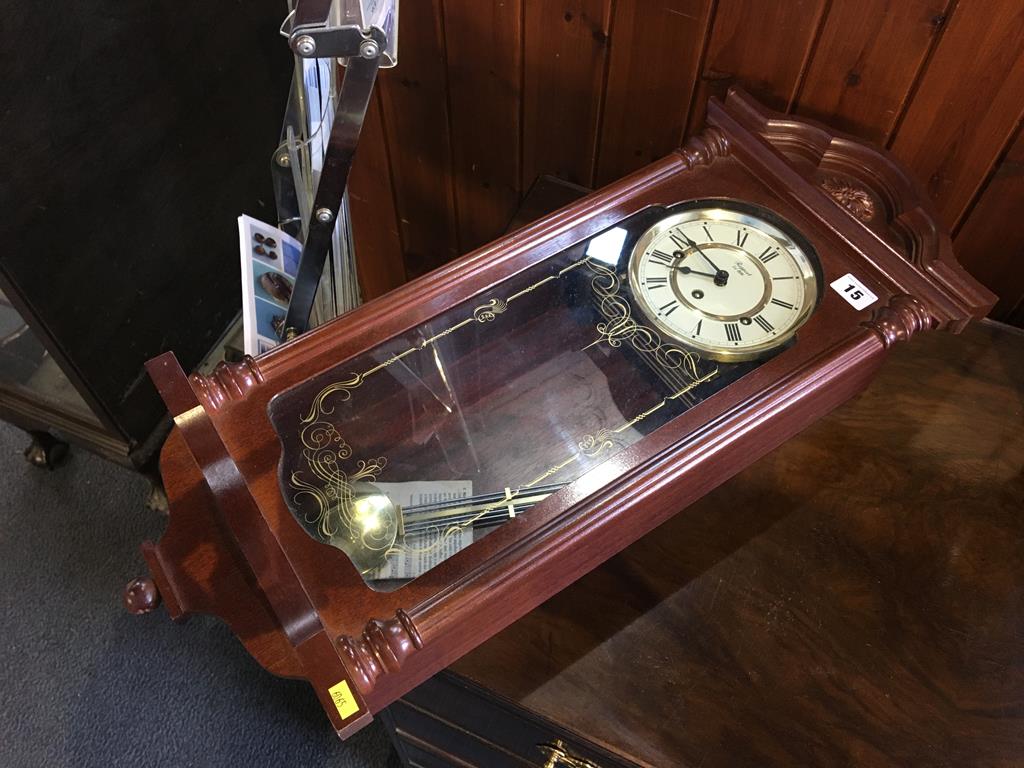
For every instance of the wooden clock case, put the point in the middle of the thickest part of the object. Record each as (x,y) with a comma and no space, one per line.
(233,548)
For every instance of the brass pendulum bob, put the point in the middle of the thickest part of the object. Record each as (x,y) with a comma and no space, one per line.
(369,527)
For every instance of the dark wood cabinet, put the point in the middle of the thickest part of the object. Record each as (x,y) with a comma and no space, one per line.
(539,370)
(854,598)
(449,720)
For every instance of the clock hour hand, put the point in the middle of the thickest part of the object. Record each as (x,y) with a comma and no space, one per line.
(688,271)
(721,276)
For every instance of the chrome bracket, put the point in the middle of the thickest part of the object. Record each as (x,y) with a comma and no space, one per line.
(318,29)
(364,34)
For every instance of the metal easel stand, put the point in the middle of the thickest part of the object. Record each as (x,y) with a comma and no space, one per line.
(364,35)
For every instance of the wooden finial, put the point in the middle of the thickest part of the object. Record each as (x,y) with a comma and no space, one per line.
(141,596)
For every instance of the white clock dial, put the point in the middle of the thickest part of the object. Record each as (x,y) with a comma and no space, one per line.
(726,281)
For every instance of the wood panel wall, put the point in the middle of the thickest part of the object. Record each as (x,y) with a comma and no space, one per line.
(489,94)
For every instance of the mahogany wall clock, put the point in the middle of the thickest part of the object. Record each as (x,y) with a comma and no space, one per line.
(370,501)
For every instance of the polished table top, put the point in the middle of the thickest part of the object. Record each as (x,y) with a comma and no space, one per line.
(854,598)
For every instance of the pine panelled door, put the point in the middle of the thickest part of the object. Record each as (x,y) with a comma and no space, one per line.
(490,94)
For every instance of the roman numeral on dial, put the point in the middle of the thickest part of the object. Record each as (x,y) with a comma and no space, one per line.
(732,332)
(765,325)
(680,242)
(662,258)
(768,254)
(669,308)
(656,282)
(783,304)
(741,237)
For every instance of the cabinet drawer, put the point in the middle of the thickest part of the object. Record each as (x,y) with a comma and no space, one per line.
(450,718)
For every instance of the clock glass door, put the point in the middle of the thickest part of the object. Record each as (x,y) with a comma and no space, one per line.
(406,454)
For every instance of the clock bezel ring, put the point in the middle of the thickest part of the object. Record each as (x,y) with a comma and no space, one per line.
(749,215)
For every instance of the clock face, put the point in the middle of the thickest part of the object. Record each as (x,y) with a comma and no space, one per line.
(727,280)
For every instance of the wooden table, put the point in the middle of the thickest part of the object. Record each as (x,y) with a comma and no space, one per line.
(854,598)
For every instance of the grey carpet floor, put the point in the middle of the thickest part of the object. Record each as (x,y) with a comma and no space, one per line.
(82,683)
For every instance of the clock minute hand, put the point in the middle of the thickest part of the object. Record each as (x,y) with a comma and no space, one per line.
(721,276)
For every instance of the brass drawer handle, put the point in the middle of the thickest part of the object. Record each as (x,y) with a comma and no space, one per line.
(560,757)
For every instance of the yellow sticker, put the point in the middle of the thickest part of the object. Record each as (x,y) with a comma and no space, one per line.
(343,699)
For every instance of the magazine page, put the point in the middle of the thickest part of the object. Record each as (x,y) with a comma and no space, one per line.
(270,261)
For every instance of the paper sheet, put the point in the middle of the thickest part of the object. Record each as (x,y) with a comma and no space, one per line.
(421,553)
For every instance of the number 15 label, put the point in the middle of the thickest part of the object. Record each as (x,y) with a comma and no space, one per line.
(854,291)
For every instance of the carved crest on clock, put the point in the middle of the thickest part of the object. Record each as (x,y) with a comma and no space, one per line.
(852,197)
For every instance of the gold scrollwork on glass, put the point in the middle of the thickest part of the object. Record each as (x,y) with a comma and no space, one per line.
(593,445)
(337,513)
(490,310)
(619,325)
(344,387)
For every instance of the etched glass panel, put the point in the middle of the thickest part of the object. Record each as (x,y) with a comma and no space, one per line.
(406,454)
